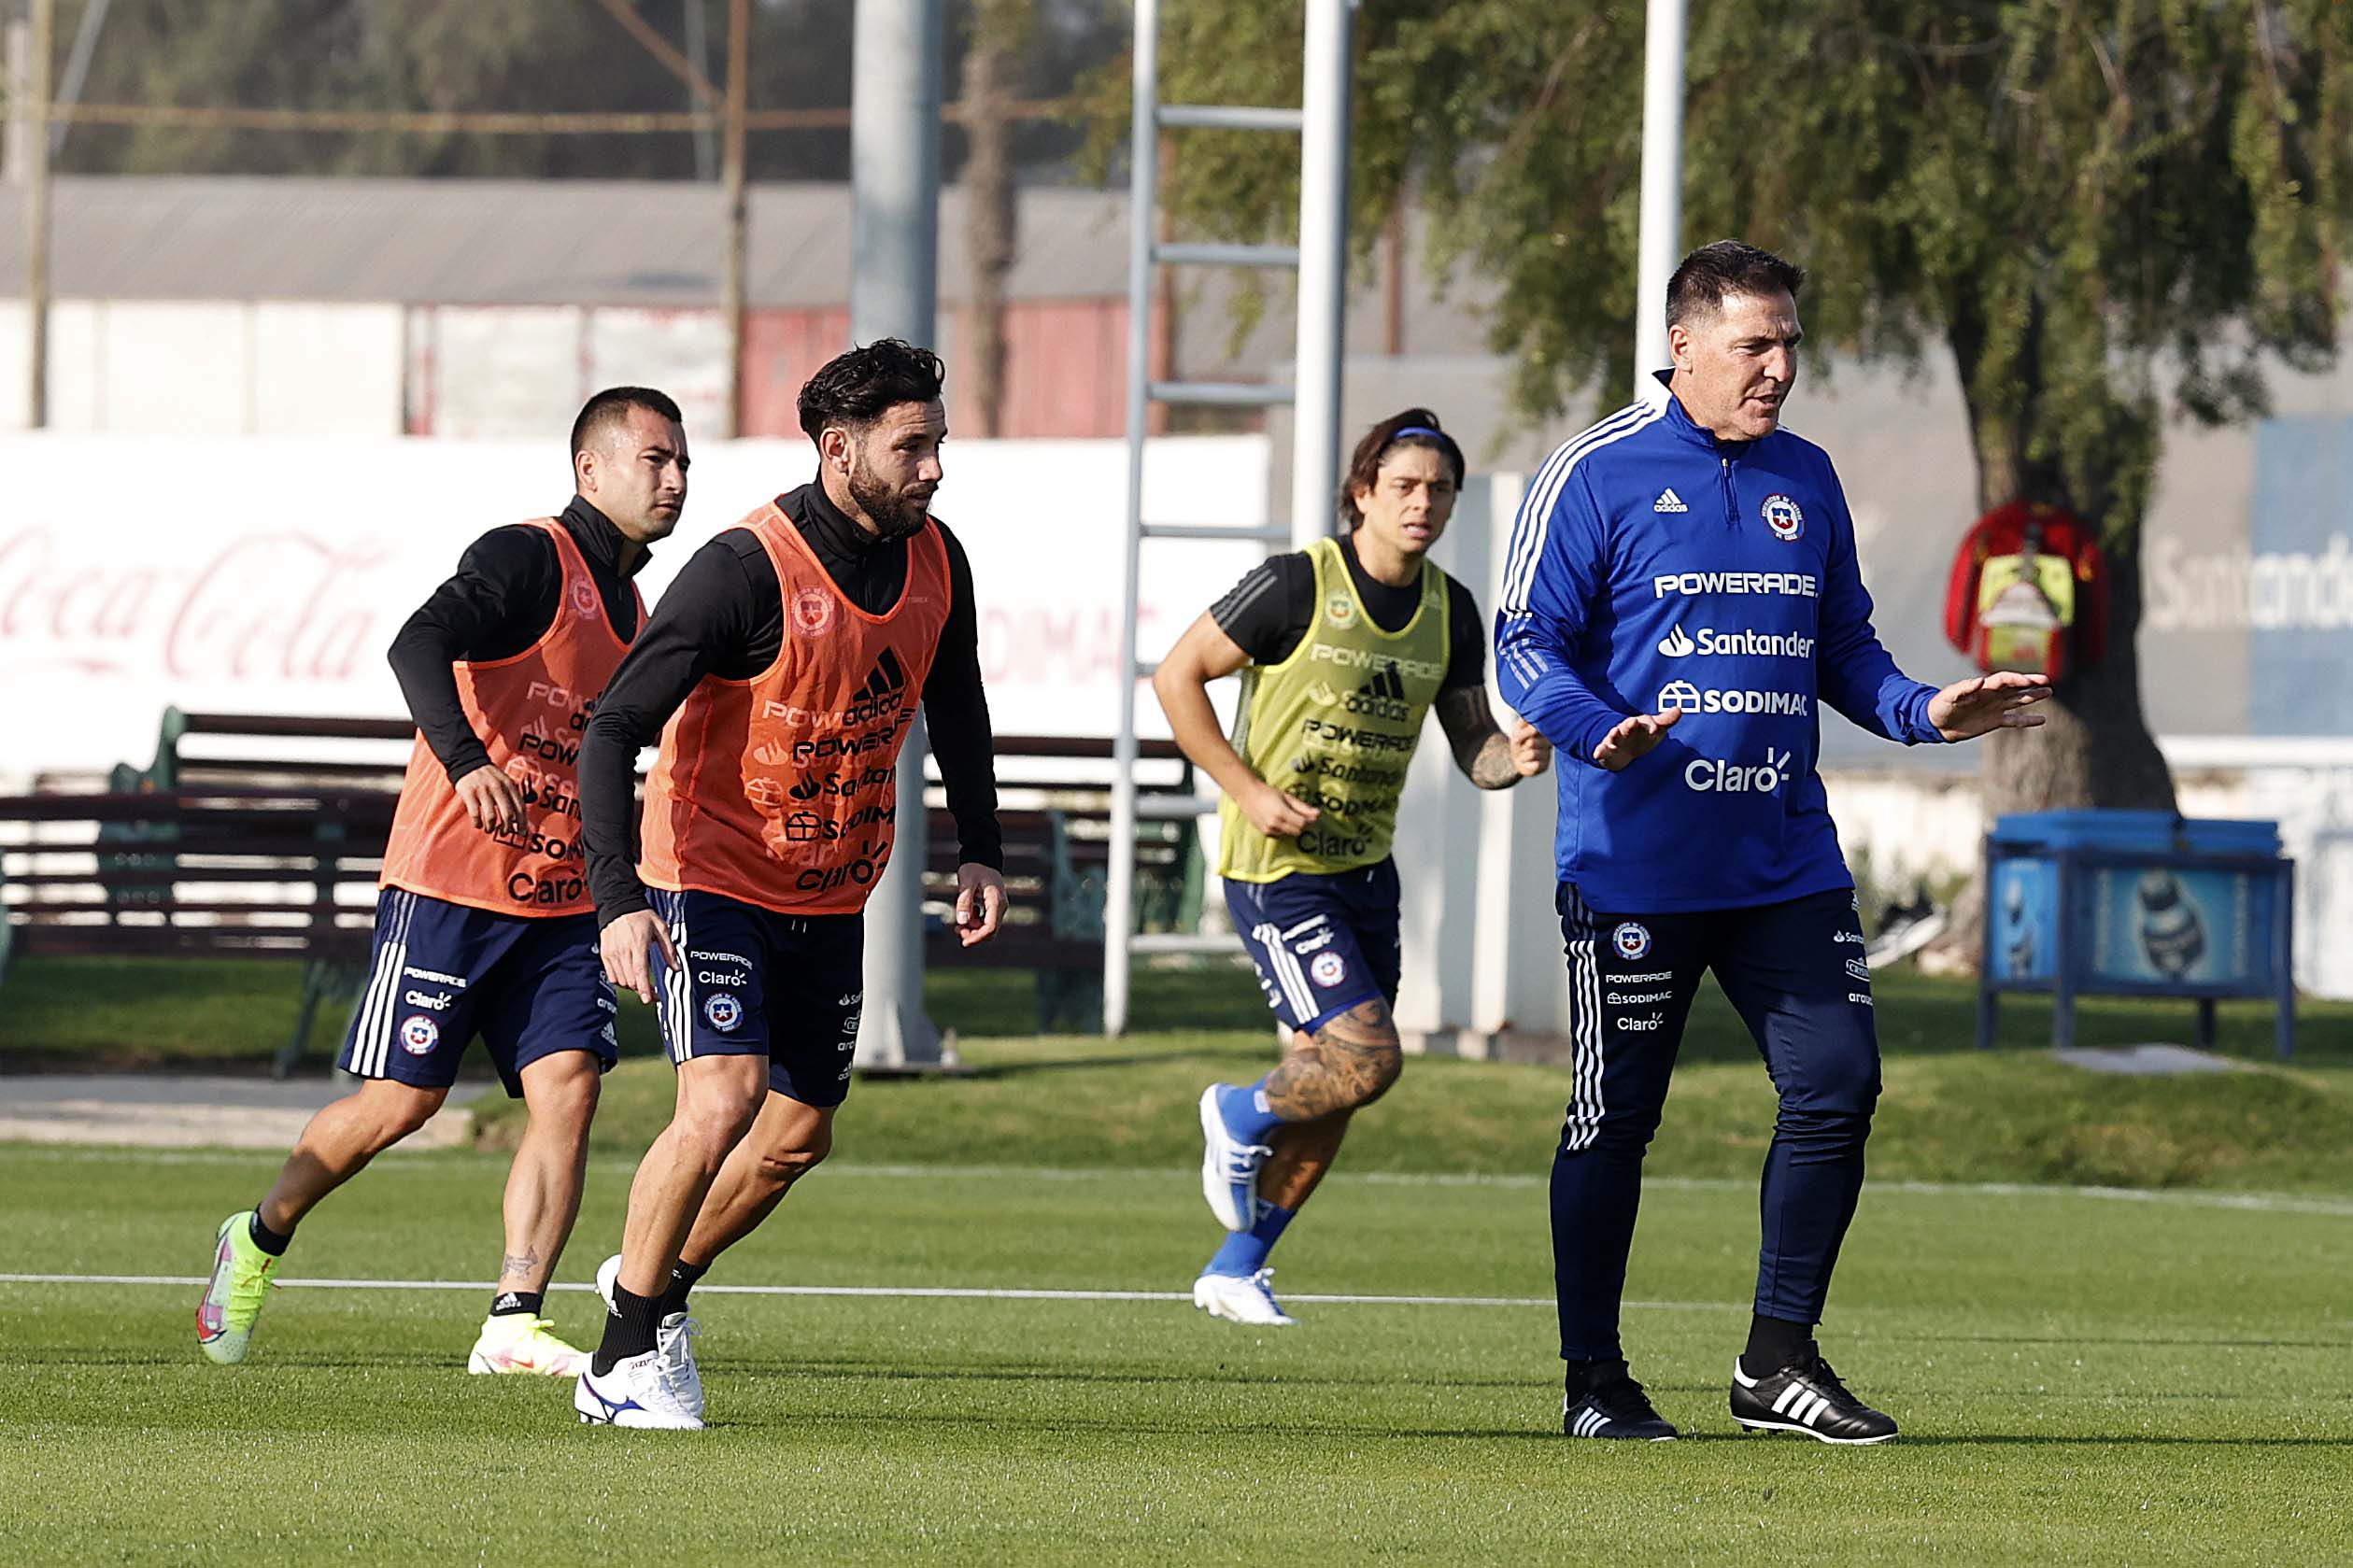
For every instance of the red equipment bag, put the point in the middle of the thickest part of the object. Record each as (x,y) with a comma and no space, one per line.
(2029,591)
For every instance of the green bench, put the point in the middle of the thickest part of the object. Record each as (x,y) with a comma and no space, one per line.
(198,872)
(195,854)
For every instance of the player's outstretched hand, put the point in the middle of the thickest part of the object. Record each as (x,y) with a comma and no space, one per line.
(2002,701)
(1635,738)
(1531,753)
(625,944)
(980,903)
(1276,814)
(493,801)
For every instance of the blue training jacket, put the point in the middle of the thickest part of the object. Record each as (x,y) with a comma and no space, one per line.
(1654,567)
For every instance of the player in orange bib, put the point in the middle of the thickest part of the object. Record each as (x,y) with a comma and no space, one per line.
(781,672)
(483,925)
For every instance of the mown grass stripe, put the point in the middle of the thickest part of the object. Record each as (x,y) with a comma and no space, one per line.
(2259,1203)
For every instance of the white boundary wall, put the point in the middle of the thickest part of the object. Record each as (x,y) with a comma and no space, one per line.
(270,576)
(166,367)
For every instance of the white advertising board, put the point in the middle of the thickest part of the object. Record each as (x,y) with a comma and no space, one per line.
(254,576)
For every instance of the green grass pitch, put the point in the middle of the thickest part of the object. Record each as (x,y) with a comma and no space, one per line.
(2082,1377)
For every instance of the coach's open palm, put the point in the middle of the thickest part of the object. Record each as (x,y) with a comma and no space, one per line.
(1635,738)
(1983,703)
(625,946)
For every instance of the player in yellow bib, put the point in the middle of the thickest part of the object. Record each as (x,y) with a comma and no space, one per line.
(1344,648)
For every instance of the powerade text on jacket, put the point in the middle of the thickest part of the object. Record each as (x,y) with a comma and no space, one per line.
(1655,568)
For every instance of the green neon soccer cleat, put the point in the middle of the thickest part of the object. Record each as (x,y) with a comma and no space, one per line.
(232,1297)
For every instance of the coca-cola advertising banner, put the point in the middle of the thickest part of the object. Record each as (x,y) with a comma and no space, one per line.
(265,576)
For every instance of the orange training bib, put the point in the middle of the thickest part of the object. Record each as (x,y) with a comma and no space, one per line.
(529,712)
(780,791)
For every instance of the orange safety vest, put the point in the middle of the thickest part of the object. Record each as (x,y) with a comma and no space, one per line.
(780,791)
(531,712)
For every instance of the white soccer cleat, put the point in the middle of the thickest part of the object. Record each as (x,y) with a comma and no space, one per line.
(634,1393)
(520,1343)
(674,1345)
(1241,1299)
(1230,1168)
(673,1341)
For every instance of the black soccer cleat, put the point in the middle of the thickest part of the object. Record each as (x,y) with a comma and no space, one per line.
(1807,1398)
(1614,1405)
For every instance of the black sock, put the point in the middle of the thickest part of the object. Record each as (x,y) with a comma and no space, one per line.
(629,1328)
(1775,1343)
(683,1277)
(508,1304)
(266,1238)
(1584,1375)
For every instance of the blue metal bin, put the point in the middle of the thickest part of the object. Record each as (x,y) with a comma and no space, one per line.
(2136,904)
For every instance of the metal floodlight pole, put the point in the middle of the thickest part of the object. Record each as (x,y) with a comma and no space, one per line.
(37,219)
(1143,170)
(697,27)
(1659,246)
(898,47)
(732,288)
(94,22)
(1322,267)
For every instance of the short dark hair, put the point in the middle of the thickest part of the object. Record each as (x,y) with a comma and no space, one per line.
(854,388)
(612,405)
(1413,426)
(1714,273)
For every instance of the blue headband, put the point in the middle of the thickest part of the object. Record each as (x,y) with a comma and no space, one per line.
(1415,430)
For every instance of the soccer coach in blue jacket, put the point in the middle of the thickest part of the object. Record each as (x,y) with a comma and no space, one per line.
(1681,592)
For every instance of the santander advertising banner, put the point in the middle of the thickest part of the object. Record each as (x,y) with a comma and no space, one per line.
(269,576)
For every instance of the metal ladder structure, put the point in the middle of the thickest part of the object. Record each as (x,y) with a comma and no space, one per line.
(1320,260)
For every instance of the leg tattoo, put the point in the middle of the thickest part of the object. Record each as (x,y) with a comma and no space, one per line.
(1351,1060)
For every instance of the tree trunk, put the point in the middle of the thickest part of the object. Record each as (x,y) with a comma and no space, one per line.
(990,214)
(2095,748)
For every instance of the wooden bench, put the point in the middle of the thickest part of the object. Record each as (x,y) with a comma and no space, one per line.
(301,751)
(1055,792)
(1055,810)
(199,872)
(223,836)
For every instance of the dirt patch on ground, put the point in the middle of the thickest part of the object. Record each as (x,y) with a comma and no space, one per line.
(190,1111)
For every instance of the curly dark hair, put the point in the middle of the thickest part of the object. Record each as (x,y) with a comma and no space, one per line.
(1415,427)
(854,388)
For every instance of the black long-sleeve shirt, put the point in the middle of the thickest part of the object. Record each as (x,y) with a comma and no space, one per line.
(724,615)
(503,598)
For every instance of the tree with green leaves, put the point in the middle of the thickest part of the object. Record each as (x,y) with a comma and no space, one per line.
(537,56)
(2109,212)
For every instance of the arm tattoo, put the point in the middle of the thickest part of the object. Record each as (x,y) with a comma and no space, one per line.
(1349,1063)
(1482,751)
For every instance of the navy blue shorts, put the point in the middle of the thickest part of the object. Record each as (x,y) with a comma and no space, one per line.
(442,973)
(1323,942)
(789,987)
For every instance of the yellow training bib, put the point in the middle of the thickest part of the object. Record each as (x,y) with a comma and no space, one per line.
(1335,725)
